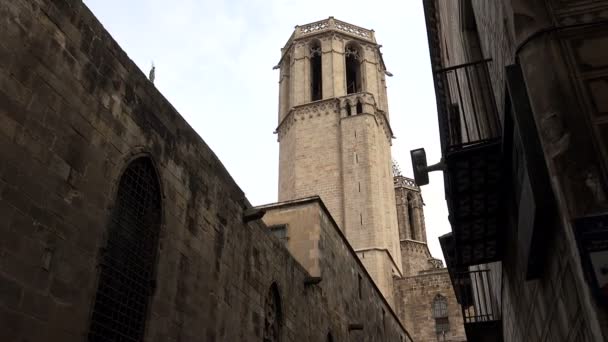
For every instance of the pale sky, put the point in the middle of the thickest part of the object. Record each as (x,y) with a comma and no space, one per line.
(214,63)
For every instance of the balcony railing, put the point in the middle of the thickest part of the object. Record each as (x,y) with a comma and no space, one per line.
(477,303)
(469,116)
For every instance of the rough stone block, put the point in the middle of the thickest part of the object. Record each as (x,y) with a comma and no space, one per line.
(10,292)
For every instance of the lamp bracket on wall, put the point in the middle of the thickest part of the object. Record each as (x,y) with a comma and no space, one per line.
(421,168)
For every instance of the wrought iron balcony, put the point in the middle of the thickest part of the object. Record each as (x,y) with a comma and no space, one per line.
(476,295)
(470,133)
(480,312)
(468,115)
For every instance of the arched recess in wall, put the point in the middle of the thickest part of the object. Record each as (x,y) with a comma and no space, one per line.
(359,106)
(411,215)
(352,55)
(128,263)
(330,337)
(286,84)
(349,111)
(273,315)
(316,71)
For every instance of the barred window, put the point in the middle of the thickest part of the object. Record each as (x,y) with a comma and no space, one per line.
(440,307)
(128,261)
(273,315)
(440,313)
(442,325)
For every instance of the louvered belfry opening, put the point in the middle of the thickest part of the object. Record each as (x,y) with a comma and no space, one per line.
(126,279)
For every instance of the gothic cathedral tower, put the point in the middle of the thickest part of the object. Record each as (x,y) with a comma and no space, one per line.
(335,138)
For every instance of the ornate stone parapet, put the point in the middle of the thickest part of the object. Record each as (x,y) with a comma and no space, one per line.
(404,182)
(330,24)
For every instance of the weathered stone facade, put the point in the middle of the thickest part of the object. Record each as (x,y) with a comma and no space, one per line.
(335,141)
(424,277)
(560,48)
(417,293)
(75,112)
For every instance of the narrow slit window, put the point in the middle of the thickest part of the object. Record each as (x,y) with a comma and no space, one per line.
(411,213)
(127,269)
(273,319)
(383,320)
(359,107)
(316,75)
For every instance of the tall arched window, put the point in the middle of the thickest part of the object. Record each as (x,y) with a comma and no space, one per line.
(440,313)
(353,69)
(411,215)
(129,260)
(316,75)
(273,316)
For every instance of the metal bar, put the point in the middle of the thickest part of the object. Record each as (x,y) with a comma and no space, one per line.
(477,295)
(464,117)
(463,145)
(489,122)
(444,119)
(492,99)
(472,98)
(463,65)
(486,293)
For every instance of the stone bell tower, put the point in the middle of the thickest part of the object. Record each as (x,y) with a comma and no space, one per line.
(335,138)
(415,254)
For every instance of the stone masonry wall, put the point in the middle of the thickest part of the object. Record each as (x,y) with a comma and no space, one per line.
(316,241)
(415,256)
(416,294)
(74,110)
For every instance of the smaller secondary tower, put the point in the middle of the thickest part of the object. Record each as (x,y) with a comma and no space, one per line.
(335,138)
(415,254)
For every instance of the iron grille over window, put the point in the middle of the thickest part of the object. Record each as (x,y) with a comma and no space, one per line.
(440,313)
(273,315)
(440,307)
(128,261)
(442,325)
